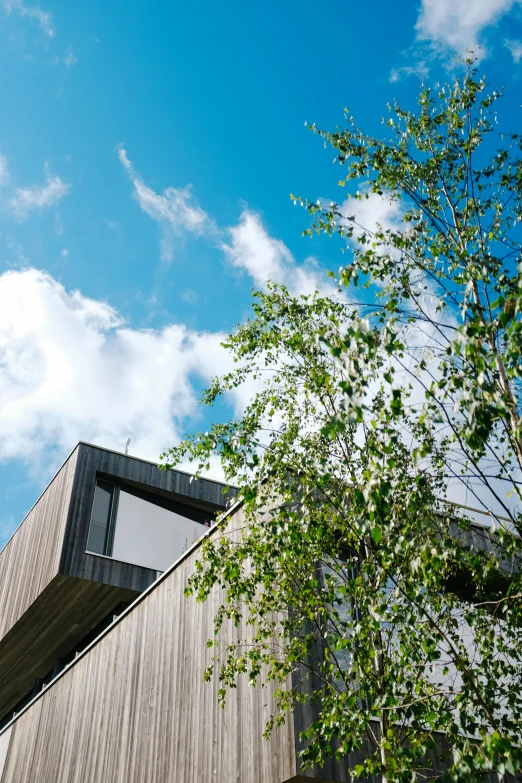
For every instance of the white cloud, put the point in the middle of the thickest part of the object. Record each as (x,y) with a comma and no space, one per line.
(419,69)
(247,245)
(44,18)
(175,210)
(515,47)
(71,369)
(69,59)
(458,25)
(39,197)
(265,258)
(4,171)
(371,211)
(252,248)
(368,214)
(189,296)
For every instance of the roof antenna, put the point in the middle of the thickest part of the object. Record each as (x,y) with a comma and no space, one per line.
(127,446)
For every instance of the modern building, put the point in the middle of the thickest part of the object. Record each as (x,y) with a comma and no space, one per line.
(101,654)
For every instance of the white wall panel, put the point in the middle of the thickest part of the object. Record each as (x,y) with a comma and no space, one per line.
(151,536)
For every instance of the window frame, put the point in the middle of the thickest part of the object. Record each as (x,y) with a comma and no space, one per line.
(108,542)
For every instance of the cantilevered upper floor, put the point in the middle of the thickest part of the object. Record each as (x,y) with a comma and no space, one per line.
(102,532)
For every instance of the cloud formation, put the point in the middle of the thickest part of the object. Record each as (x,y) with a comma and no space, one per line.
(71,369)
(44,18)
(69,60)
(458,25)
(175,210)
(251,247)
(38,197)
(373,210)
(515,47)
(246,245)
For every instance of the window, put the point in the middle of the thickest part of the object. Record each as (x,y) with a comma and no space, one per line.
(147,529)
(102,518)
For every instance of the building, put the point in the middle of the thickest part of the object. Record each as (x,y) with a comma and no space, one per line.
(101,654)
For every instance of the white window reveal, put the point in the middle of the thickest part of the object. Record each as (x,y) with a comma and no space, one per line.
(150,535)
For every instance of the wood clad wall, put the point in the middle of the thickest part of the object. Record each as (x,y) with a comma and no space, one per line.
(30,560)
(66,611)
(134,709)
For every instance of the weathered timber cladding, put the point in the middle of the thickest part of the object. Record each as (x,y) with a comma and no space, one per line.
(134,708)
(30,649)
(52,538)
(52,592)
(31,559)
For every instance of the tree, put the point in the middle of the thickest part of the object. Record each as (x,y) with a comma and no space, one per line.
(356,572)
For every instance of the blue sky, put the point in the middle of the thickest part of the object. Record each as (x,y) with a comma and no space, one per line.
(148,153)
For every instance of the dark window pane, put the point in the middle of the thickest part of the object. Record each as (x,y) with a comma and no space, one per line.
(100,517)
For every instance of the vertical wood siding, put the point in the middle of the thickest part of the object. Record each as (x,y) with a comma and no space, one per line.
(134,709)
(30,560)
(52,593)
(66,611)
